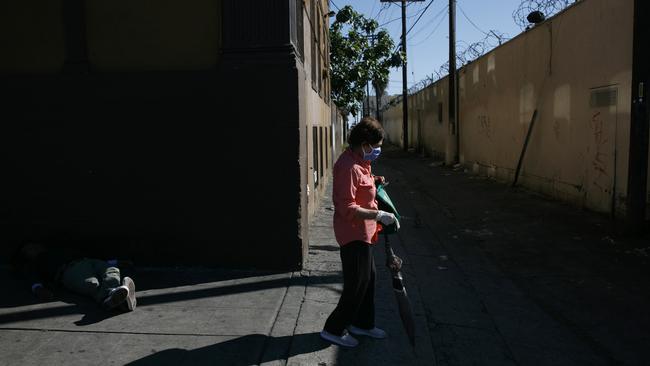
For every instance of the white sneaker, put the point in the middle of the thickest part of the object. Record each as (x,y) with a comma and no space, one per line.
(346,340)
(373,333)
(130,301)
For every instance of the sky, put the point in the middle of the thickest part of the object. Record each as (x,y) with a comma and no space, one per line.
(428,42)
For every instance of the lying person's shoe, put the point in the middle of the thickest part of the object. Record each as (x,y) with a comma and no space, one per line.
(346,340)
(130,301)
(42,293)
(116,297)
(373,333)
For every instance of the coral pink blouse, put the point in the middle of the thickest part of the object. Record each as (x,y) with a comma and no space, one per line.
(353,186)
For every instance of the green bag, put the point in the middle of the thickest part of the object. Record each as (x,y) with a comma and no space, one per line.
(385,204)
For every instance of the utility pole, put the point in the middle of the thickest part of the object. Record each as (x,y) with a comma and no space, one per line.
(453,85)
(377,101)
(368,97)
(367,112)
(372,42)
(405,92)
(405,108)
(372,38)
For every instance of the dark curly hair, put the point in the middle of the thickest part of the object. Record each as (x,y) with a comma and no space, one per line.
(369,130)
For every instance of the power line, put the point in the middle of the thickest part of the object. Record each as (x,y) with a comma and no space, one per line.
(383,7)
(421,14)
(414,23)
(433,31)
(400,18)
(390,21)
(470,21)
(389,14)
(372,10)
(431,21)
(336,6)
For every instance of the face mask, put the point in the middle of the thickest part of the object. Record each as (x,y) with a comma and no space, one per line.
(372,155)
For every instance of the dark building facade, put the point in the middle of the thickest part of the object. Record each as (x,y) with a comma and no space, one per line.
(165,132)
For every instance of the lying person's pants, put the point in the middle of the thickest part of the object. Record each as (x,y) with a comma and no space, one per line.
(91,277)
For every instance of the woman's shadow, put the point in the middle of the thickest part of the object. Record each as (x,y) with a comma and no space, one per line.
(239,351)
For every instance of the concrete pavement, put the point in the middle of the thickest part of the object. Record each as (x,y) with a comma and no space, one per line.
(508,277)
(496,277)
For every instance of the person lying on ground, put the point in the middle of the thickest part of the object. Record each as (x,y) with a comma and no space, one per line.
(48,268)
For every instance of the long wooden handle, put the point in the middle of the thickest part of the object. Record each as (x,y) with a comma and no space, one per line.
(389,251)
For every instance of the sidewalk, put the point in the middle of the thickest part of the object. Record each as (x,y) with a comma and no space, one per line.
(496,277)
(210,317)
(198,316)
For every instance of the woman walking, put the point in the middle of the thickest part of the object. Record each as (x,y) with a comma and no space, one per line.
(355,228)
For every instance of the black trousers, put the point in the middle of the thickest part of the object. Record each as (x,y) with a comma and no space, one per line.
(357,303)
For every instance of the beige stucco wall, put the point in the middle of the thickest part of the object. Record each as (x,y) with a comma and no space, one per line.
(577,152)
(392,123)
(426,132)
(317,113)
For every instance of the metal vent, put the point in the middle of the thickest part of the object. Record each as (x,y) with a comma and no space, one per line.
(604,97)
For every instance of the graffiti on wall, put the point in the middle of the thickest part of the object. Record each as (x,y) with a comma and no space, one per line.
(484,126)
(600,160)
